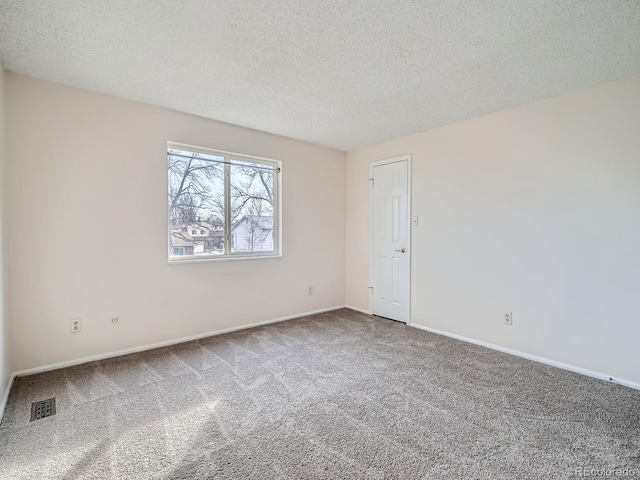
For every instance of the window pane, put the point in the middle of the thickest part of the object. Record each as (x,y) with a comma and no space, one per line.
(252,207)
(196,203)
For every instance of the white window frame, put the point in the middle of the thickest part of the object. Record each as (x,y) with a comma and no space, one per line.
(277,208)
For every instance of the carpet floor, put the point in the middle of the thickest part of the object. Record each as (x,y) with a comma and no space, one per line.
(339,395)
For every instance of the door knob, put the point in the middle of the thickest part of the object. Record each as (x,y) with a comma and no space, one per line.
(401,250)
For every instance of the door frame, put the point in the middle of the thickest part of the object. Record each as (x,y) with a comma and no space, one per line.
(402,158)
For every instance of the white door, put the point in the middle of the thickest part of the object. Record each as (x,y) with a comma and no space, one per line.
(390,263)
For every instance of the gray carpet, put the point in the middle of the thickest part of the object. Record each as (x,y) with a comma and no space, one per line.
(336,395)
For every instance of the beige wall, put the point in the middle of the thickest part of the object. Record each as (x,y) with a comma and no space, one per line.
(5,366)
(86,227)
(533,210)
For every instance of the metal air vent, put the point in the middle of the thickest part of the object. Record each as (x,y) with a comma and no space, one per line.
(44,408)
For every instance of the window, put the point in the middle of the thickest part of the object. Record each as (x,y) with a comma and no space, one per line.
(236,198)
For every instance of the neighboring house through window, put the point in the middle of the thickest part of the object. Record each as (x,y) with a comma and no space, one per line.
(253,233)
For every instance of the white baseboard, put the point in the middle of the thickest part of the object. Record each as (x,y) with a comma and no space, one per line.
(127,351)
(535,358)
(5,397)
(361,310)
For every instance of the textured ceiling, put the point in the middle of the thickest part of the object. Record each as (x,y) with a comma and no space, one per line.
(337,73)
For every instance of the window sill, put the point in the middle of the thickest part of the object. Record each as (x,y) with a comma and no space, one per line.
(227,258)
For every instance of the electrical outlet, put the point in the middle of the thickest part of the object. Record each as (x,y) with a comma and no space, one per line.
(115,320)
(508,318)
(76,325)
(310,292)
